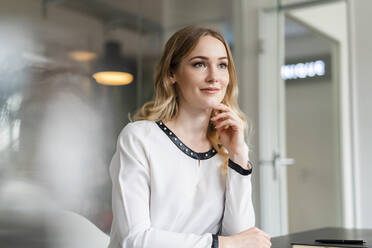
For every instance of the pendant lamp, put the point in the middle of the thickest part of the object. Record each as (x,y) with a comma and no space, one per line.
(113,68)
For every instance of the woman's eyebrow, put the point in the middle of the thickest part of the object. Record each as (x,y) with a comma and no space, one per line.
(206,58)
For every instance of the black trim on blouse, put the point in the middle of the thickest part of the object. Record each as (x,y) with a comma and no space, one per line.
(239,169)
(185,149)
(214,241)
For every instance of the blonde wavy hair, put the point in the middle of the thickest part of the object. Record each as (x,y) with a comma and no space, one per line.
(165,106)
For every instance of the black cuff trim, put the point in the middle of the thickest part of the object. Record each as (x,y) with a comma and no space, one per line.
(239,169)
(214,241)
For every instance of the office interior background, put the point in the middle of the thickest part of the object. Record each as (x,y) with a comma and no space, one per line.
(304,83)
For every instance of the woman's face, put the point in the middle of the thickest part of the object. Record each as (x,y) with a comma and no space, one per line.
(202,77)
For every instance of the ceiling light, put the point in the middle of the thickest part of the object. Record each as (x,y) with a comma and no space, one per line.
(112,68)
(82,56)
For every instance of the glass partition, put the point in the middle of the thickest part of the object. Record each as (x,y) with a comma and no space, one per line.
(58,126)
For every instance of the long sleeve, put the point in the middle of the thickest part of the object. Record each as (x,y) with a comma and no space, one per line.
(239,213)
(131,192)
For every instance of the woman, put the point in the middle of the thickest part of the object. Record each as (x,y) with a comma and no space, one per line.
(181,175)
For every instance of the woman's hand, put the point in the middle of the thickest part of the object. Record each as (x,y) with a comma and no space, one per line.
(231,131)
(251,238)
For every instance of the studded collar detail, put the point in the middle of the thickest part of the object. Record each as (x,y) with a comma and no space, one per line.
(183,147)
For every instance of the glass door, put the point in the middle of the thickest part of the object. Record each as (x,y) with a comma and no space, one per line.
(303,104)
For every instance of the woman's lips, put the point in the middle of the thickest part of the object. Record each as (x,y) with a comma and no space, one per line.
(210,90)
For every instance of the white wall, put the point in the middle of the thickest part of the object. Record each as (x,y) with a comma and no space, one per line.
(361,44)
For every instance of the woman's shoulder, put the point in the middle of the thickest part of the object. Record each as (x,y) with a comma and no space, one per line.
(138,128)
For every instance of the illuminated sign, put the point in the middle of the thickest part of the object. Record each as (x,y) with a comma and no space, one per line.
(303,70)
(310,69)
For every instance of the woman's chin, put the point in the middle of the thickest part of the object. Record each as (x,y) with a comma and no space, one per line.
(212,104)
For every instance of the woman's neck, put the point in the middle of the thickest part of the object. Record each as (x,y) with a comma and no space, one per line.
(191,126)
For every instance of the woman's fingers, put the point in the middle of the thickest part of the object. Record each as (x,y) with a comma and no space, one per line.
(261,232)
(221,107)
(254,237)
(223,115)
(220,118)
(227,122)
(267,236)
(268,243)
(224,119)
(230,128)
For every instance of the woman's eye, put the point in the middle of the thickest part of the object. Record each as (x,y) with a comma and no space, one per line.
(223,65)
(199,64)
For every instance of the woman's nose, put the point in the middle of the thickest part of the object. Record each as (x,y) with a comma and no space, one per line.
(212,75)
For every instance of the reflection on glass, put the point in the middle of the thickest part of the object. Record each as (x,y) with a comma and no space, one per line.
(58,127)
(113,77)
(82,56)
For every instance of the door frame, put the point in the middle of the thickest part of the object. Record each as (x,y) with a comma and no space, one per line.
(273,177)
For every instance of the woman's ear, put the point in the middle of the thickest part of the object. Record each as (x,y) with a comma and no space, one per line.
(172,78)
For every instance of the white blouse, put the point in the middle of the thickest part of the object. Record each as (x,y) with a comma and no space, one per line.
(166,195)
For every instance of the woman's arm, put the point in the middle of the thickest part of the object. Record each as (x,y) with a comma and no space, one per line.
(131,198)
(239,213)
(239,219)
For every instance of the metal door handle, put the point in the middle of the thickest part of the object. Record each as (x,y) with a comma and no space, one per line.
(276,162)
